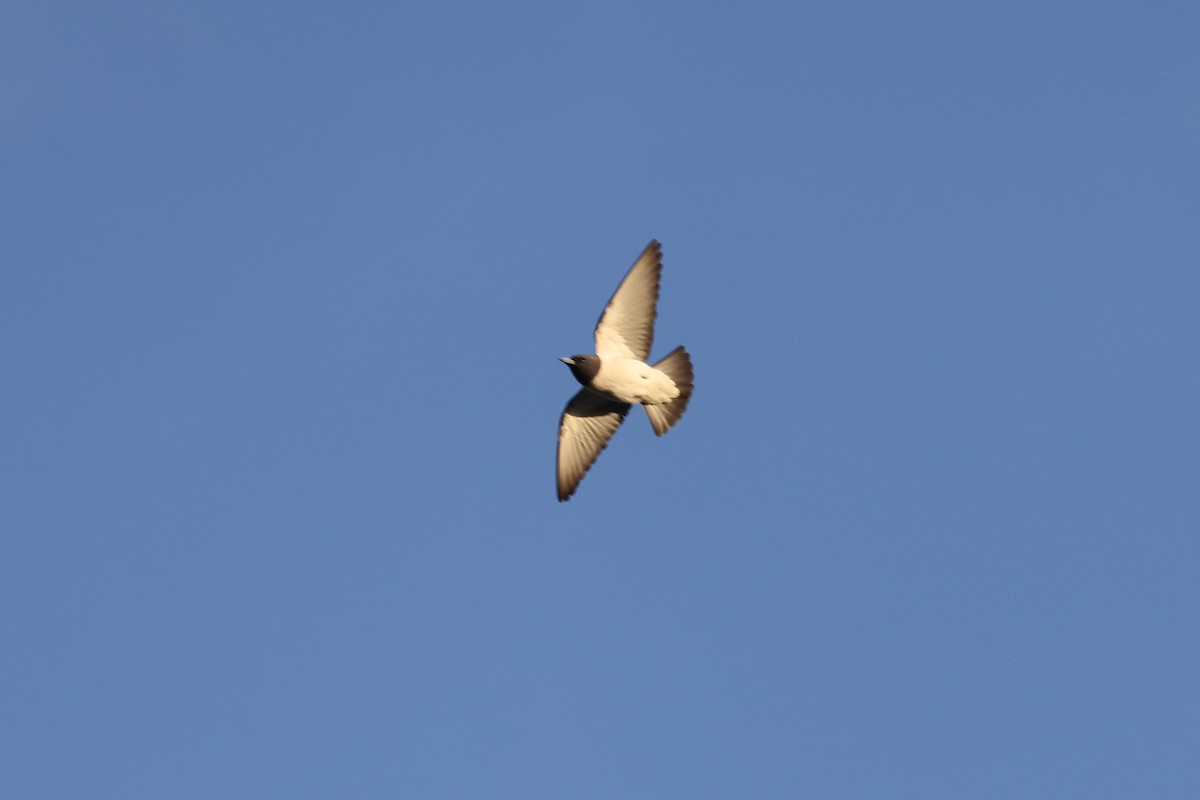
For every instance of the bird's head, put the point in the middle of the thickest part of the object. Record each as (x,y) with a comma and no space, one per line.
(584,368)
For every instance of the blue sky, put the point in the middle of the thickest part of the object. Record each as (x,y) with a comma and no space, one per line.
(284,290)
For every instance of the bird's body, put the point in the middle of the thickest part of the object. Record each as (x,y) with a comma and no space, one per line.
(628,380)
(618,375)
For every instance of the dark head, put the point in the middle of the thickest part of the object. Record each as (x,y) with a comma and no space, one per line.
(584,368)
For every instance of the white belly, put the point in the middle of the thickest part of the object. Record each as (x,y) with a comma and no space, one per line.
(632,381)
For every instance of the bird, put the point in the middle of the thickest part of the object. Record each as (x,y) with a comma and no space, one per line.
(617,375)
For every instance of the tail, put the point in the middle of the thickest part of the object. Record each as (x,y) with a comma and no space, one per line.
(678,367)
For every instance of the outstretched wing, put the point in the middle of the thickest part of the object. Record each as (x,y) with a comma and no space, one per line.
(588,422)
(626,328)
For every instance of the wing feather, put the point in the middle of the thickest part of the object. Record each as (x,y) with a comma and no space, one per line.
(587,423)
(626,328)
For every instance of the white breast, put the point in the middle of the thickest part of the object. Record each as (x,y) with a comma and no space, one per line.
(633,381)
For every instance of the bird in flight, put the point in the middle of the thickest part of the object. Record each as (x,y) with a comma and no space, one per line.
(617,375)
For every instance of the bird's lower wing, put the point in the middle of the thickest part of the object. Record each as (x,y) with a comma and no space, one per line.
(588,422)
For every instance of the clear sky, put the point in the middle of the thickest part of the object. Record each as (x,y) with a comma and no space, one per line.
(284,286)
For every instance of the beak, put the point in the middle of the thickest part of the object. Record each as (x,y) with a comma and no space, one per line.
(570,362)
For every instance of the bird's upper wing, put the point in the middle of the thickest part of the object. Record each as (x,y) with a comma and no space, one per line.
(626,328)
(588,422)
